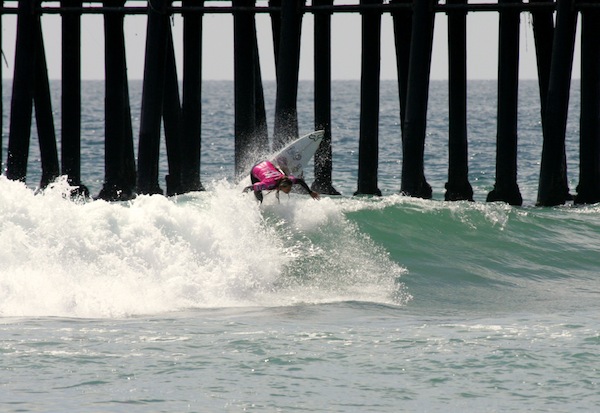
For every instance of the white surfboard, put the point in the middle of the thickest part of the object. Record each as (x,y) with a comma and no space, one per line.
(295,156)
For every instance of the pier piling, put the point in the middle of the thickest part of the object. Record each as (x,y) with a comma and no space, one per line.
(402,20)
(322,48)
(245,60)
(21,108)
(31,85)
(191,105)
(588,190)
(43,112)
(171,111)
(120,172)
(288,66)
(152,97)
(506,188)
(417,96)
(261,134)
(543,34)
(368,144)
(553,189)
(458,187)
(71,98)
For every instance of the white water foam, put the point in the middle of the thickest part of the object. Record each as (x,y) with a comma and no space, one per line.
(216,248)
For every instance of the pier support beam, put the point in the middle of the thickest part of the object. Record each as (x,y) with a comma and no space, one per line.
(71,98)
(402,20)
(553,189)
(171,112)
(244,85)
(43,114)
(415,123)
(588,190)
(506,188)
(251,134)
(288,64)
(276,29)
(119,180)
(192,98)
(368,145)
(322,45)
(152,97)
(21,108)
(30,84)
(261,133)
(543,34)
(458,187)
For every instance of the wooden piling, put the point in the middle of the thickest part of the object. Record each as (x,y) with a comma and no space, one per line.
(31,85)
(244,86)
(415,122)
(276,28)
(506,188)
(402,20)
(120,174)
(553,189)
(543,34)
(192,99)
(261,131)
(368,145)
(322,69)
(71,98)
(43,112)
(588,190)
(458,187)
(21,108)
(288,65)
(171,113)
(152,97)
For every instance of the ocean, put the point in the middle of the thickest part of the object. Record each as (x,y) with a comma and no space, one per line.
(208,302)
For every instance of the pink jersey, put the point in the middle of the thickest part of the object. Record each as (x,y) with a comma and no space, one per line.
(268,176)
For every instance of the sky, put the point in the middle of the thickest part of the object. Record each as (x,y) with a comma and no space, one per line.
(482,46)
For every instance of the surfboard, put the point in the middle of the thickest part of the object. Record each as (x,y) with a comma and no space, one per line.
(295,156)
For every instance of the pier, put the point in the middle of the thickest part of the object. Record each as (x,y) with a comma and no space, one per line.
(178,110)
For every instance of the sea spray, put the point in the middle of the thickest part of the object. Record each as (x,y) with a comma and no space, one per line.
(331,259)
(153,254)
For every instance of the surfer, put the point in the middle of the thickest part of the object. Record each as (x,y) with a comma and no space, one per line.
(266,176)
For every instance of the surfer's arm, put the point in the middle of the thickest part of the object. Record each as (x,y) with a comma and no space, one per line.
(260,186)
(257,187)
(302,183)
